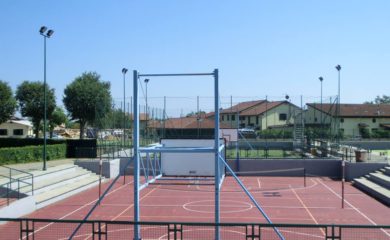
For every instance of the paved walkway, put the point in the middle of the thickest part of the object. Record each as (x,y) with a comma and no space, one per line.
(35,165)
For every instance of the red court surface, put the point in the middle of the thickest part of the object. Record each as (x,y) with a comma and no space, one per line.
(284,199)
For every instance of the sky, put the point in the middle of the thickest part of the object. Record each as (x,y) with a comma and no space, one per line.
(261,48)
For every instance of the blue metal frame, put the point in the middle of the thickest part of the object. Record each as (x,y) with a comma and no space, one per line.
(159,149)
(251,198)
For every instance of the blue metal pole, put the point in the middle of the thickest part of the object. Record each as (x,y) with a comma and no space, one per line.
(281,237)
(216,146)
(136,156)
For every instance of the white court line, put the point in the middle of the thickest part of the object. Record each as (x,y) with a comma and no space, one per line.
(258,182)
(307,209)
(352,206)
(78,209)
(129,207)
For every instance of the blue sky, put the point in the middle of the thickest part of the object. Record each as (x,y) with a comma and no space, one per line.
(261,48)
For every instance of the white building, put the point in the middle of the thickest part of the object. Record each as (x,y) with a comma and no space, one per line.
(16,128)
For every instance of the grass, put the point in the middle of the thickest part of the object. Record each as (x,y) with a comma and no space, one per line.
(385,151)
(260,153)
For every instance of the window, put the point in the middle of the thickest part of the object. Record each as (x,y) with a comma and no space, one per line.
(228,117)
(233,117)
(223,118)
(342,120)
(282,117)
(374,120)
(249,120)
(242,118)
(315,119)
(3,132)
(257,120)
(18,132)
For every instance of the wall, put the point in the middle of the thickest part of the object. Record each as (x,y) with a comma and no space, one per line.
(355,170)
(287,145)
(110,169)
(312,113)
(271,118)
(313,167)
(372,145)
(11,126)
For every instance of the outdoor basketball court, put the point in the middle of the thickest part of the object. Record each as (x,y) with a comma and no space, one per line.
(284,199)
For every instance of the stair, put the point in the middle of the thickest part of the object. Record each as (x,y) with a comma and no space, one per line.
(299,129)
(376,184)
(56,183)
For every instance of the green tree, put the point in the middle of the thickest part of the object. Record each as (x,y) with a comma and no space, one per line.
(7,102)
(87,99)
(30,96)
(58,117)
(380,100)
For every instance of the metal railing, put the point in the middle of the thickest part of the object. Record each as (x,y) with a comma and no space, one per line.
(62,229)
(15,183)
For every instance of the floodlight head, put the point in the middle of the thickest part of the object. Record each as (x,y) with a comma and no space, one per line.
(287,97)
(124,70)
(49,33)
(146,80)
(338,67)
(42,30)
(321,79)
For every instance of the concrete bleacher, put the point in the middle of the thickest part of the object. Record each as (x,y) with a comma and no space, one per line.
(376,184)
(54,184)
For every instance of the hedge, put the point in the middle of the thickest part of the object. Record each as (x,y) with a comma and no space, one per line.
(21,142)
(31,153)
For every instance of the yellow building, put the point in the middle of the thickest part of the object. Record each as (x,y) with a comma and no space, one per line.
(16,128)
(260,114)
(355,119)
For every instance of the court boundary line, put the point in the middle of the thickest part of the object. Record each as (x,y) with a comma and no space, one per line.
(352,206)
(307,210)
(78,209)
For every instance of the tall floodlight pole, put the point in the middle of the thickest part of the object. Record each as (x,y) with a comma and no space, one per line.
(124,71)
(321,126)
(338,67)
(46,34)
(146,103)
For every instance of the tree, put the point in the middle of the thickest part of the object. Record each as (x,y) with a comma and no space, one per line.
(194,114)
(58,117)
(87,99)
(7,102)
(30,96)
(380,100)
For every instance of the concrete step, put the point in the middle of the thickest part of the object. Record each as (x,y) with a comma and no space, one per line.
(386,170)
(380,179)
(40,174)
(58,181)
(57,194)
(373,189)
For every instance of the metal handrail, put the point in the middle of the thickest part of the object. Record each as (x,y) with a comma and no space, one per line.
(12,180)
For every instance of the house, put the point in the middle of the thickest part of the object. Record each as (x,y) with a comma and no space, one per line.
(260,114)
(16,128)
(186,127)
(144,120)
(355,119)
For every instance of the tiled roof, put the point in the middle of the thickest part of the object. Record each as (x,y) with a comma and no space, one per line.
(355,110)
(187,123)
(142,116)
(262,108)
(242,106)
